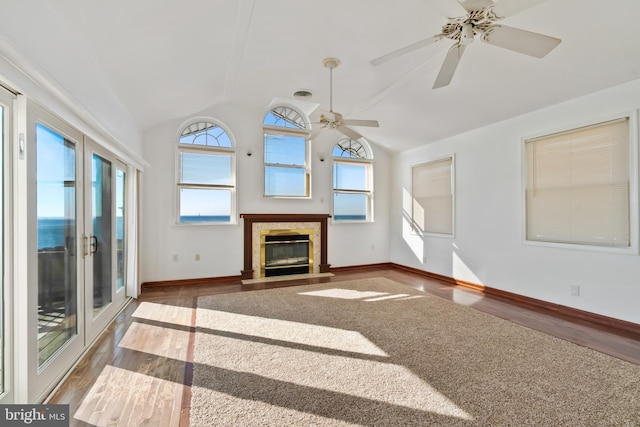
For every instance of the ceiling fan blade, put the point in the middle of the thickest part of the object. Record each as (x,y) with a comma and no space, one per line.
(348,132)
(407,49)
(506,8)
(521,41)
(471,5)
(449,66)
(357,122)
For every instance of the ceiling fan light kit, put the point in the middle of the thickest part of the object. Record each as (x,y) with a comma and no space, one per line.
(333,120)
(481,19)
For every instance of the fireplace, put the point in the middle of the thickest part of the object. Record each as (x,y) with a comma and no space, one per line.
(284,244)
(285,252)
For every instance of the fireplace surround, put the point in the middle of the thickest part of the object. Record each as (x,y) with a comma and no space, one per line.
(258,225)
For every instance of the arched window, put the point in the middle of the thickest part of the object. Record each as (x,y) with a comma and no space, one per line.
(285,117)
(286,154)
(352,181)
(205,133)
(205,174)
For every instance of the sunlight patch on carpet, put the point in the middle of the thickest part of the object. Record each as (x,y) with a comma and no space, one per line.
(292,332)
(387,383)
(395,296)
(341,293)
(352,294)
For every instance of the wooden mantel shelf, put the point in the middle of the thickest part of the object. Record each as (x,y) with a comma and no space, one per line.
(250,219)
(285,217)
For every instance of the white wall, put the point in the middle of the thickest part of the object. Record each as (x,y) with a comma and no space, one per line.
(73,85)
(488,246)
(221,246)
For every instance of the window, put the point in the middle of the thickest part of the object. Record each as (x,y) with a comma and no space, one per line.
(286,154)
(206,175)
(432,198)
(577,186)
(352,182)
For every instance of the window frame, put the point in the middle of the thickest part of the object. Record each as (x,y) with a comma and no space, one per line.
(634,215)
(207,150)
(367,162)
(417,230)
(287,131)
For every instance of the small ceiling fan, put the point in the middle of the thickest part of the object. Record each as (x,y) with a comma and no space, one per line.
(334,120)
(481,19)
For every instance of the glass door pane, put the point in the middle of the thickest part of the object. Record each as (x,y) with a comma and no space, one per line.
(56,236)
(104,235)
(100,240)
(121,254)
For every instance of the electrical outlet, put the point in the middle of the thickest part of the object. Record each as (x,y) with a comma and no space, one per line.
(197,257)
(575,290)
(175,257)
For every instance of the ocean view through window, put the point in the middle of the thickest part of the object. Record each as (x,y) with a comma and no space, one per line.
(352,181)
(56,198)
(205,175)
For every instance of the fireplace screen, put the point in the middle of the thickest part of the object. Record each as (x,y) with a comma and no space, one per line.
(286,252)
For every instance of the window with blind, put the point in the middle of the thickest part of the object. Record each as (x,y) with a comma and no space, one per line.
(352,181)
(205,175)
(432,197)
(286,154)
(577,186)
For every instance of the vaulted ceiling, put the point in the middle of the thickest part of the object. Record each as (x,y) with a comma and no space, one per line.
(168,59)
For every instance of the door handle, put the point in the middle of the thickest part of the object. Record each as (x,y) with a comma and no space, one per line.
(85,246)
(93,245)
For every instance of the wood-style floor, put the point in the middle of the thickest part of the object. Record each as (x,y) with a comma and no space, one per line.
(139,371)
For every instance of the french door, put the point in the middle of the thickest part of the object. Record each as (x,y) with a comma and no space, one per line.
(103,238)
(76,240)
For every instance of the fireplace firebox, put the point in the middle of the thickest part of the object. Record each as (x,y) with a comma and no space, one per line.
(285,252)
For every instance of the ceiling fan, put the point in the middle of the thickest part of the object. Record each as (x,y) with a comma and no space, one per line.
(334,120)
(481,19)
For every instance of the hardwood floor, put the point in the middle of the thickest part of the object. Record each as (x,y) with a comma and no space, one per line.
(139,371)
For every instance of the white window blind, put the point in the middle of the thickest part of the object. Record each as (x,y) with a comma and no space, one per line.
(577,186)
(205,175)
(287,168)
(432,188)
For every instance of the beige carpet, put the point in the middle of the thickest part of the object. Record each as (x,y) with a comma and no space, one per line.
(376,353)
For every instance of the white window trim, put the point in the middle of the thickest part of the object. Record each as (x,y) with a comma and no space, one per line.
(370,192)
(233,220)
(634,215)
(275,130)
(451,235)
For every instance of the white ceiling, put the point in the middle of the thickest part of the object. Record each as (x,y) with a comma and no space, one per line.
(168,59)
